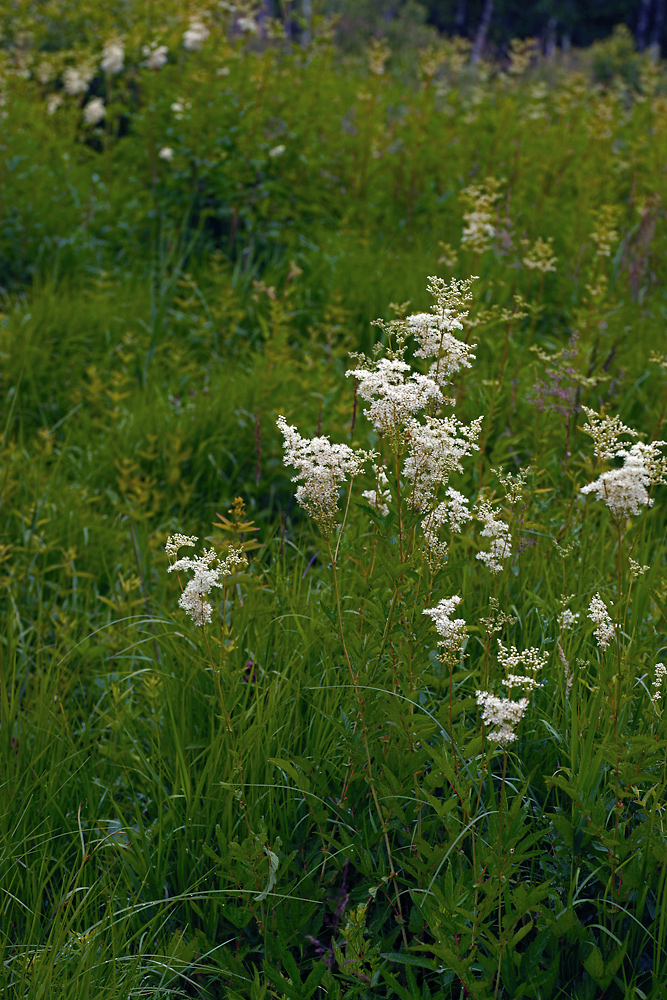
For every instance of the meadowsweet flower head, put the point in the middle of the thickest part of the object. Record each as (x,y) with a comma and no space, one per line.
(530,660)
(599,615)
(166,153)
(540,256)
(604,233)
(659,676)
(435,450)
(208,571)
(605,432)
(452,631)
(322,467)
(76,80)
(195,36)
(176,542)
(499,533)
(378,497)
(637,570)
(480,214)
(53,102)
(94,111)
(434,331)
(276,151)
(502,713)
(394,395)
(625,490)
(567,619)
(156,56)
(453,513)
(113,56)
(248,25)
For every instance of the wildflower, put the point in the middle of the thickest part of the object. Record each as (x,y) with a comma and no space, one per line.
(625,490)
(452,631)
(175,542)
(566,619)
(277,151)
(605,432)
(323,467)
(76,81)
(166,153)
(479,218)
(378,497)
(248,25)
(179,108)
(195,36)
(155,55)
(604,233)
(435,451)
(599,615)
(208,571)
(45,72)
(540,258)
(499,533)
(53,102)
(503,713)
(452,512)
(660,672)
(94,111)
(530,659)
(636,570)
(398,397)
(113,55)
(434,331)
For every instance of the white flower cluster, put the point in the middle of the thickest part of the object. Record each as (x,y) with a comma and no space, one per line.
(378,497)
(323,467)
(94,111)
(166,153)
(155,55)
(76,80)
(660,673)
(454,513)
(434,331)
(195,36)
(480,217)
(605,432)
(499,533)
(176,542)
(436,448)
(208,571)
(393,397)
(113,57)
(540,256)
(625,490)
(503,713)
(531,660)
(567,619)
(452,631)
(599,615)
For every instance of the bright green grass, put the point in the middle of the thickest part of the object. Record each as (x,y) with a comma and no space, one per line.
(152,782)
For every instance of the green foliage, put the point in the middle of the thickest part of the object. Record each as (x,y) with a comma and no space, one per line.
(301,799)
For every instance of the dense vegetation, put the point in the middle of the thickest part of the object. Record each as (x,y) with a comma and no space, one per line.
(331,788)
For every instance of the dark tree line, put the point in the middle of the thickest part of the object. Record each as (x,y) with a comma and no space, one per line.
(555,22)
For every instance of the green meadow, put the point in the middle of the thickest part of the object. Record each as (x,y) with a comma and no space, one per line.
(393,725)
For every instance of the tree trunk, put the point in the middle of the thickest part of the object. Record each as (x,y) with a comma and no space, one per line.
(643,19)
(550,37)
(307,22)
(658,26)
(482,31)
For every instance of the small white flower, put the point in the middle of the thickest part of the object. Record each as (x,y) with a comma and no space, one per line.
(660,672)
(567,619)
(166,153)
(94,111)
(195,36)
(113,55)
(277,151)
(248,25)
(499,533)
(599,615)
(156,56)
(76,81)
(53,102)
(503,713)
(175,542)
(451,630)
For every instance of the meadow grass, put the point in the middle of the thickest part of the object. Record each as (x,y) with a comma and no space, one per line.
(301,798)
